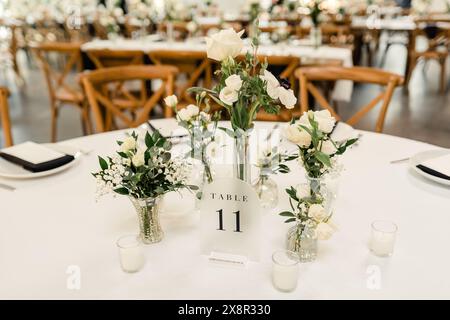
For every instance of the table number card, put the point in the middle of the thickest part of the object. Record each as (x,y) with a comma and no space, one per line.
(230,215)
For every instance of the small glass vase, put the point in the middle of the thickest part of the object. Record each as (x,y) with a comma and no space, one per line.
(303,240)
(316,36)
(148,213)
(320,189)
(266,189)
(242,166)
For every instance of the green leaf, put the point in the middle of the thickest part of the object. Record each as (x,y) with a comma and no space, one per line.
(286,214)
(122,191)
(289,220)
(148,140)
(322,157)
(122,154)
(103,163)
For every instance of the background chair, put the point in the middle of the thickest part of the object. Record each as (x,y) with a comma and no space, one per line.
(438,42)
(137,112)
(59,61)
(4,117)
(356,74)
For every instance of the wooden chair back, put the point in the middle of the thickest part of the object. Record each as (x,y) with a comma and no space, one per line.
(357,74)
(57,72)
(4,117)
(106,109)
(194,64)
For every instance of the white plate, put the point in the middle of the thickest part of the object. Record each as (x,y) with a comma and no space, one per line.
(13,171)
(426,155)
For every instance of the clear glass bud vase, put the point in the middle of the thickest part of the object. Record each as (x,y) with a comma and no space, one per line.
(242,167)
(316,36)
(148,213)
(320,189)
(266,189)
(303,240)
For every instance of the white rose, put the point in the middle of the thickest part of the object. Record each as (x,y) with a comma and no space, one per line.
(224,44)
(270,79)
(184,115)
(228,96)
(303,191)
(118,12)
(128,144)
(287,97)
(324,231)
(325,120)
(234,82)
(328,147)
(139,158)
(193,110)
(272,91)
(317,212)
(297,135)
(171,101)
(205,116)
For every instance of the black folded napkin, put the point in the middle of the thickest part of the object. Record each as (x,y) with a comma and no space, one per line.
(432,172)
(38,167)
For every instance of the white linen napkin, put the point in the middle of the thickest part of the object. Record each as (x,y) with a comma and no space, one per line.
(33,152)
(440,164)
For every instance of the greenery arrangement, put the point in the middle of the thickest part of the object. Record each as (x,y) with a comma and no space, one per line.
(142,171)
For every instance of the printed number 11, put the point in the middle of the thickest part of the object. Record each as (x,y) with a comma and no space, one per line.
(238,220)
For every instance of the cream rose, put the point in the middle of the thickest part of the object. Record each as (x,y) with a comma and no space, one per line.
(184,115)
(193,110)
(328,147)
(139,158)
(317,212)
(224,44)
(297,135)
(234,82)
(324,231)
(325,120)
(287,97)
(128,144)
(302,191)
(171,101)
(228,96)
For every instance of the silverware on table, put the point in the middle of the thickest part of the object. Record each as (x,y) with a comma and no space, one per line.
(7,187)
(399,160)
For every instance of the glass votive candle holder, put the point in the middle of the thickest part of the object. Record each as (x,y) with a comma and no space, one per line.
(382,238)
(131,253)
(285,270)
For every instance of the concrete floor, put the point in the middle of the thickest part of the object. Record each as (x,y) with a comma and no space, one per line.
(423,114)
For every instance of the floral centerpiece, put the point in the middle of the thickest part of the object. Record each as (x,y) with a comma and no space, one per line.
(144,173)
(201,127)
(318,154)
(244,88)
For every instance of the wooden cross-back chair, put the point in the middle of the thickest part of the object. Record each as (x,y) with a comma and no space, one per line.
(95,81)
(438,43)
(61,81)
(195,65)
(356,74)
(104,58)
(4,117)
(332,34)
(287,66)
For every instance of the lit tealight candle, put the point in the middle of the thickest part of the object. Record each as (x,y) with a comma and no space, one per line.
(285,270)
(130,252)
(382,239)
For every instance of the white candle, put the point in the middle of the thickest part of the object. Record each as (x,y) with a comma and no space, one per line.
(285,270)
(130,253)
(382,239)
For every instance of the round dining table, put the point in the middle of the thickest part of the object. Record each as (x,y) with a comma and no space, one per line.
(53,229)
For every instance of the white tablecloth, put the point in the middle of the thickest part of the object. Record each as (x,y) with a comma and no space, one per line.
(343,89)
(49,224)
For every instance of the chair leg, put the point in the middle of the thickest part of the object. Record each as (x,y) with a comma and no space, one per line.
(54,120)
(442,85)
(412,65)
(85,120)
